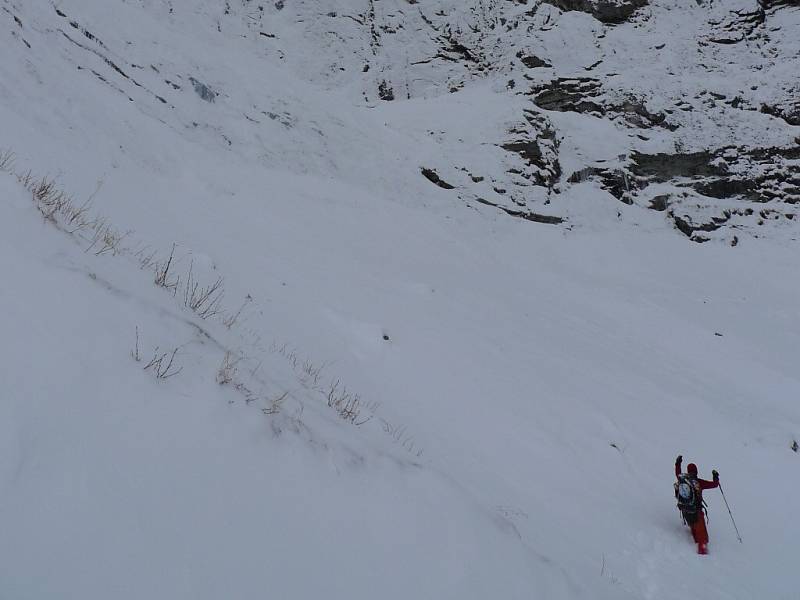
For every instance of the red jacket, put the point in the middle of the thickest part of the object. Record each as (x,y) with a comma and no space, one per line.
(704,484)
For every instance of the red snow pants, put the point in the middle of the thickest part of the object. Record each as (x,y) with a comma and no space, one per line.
(699,531)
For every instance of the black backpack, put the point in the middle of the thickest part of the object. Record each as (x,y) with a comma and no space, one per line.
(688,495)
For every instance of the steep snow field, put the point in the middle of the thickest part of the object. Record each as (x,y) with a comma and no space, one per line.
(522,388)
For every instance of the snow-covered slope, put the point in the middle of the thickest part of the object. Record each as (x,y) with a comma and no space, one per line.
(422,395)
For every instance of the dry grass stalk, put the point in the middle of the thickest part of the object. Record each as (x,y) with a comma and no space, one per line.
(203,301)
(162,366)
(227,370)
(163,277)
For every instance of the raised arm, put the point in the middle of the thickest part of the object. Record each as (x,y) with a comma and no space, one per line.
(707,485)
(678,462)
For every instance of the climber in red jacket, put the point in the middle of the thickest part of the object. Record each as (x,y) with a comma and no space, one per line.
(689,493)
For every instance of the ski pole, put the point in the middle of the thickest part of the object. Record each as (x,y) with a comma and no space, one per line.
(731,514)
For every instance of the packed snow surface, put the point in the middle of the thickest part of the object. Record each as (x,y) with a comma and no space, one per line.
(397,390)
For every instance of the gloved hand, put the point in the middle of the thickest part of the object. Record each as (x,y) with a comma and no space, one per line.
(715,474)
(679,460)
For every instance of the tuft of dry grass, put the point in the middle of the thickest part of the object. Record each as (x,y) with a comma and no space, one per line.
(161,366)
(163,277)
(227,370)
(347,405)
(204,301)
(275,405)
(230,320)
(399,433)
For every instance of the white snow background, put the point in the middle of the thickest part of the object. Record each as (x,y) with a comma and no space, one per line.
(523,388)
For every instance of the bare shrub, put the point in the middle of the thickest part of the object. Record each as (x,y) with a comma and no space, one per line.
(161,366)
(230,320)
(275,404)
(285,352)
(348,406)
(310,374)
(26,179)
(163,276)
(400,436)
(145,257)
(49,200)
(204,301)
(44,190)
(77,217)
(105,238)
(249,395)
(226,375)
(60,208)
(227,370)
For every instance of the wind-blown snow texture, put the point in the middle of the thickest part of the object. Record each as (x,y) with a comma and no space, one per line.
(364,174)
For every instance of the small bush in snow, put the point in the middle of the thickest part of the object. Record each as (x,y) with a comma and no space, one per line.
(145,257)
(227,370)
(399,433)
(161,366)
(275,404)
(230,320)
(348,406)
(204,301)
(105,238)
(163,276)
(227,375)
(310,374)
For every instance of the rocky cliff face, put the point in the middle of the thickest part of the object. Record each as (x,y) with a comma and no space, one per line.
(690,108)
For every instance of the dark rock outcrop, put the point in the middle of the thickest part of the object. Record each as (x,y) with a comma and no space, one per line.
(586,95)
(788,111)
(737,26)
(769,4)
(434,178)
(531,61)
(759,175)
(524,214)
(612,12)
(570,95)
(536,144)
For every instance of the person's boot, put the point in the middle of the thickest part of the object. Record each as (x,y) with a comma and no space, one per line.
(702,548)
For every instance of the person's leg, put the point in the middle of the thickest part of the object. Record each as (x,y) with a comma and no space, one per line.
(700,534)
